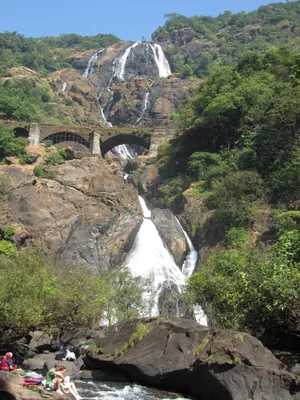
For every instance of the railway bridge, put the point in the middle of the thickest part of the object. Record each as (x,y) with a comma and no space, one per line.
(94,139)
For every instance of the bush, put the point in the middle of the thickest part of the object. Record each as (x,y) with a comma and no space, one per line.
(7,249)
(40,172)
(7,233)
(24,159)
(250,291)
(35,291)
(234,197)
(5,185)
(9,144)
(54,158)
(237,236)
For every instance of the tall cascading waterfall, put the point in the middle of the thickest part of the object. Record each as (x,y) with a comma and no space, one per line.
(92,61)
(121,64)
(150,259)
(161,61)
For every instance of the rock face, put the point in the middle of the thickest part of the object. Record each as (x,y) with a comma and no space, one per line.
(74,213)
(181,355)
(171,233)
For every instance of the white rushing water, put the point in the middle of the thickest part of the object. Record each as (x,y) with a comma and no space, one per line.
(92,61)
(64,86)
(161,62)
(145,105)
(188,268)
(120,68)
(163,66)
(151,259)
(93,390)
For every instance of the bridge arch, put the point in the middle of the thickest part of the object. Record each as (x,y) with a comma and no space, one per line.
(67,138)
(114,141)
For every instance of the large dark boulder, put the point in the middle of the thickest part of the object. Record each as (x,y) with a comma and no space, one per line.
(171,233)
(183,356)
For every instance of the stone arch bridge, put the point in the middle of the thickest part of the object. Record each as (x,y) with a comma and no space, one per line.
(98,140)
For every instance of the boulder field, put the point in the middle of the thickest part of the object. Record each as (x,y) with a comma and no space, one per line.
(180,355)
(172,354)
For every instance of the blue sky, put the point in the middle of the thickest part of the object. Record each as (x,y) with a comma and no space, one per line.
(127,19)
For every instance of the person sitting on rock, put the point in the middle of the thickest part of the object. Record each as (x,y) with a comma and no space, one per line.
(7,363)
(55,378)
(68,386)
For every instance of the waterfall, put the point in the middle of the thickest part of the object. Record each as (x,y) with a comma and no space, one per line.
(89,70)
(150,259)
(145,104)
(161,62)
(163,66)
(64,86)
(124,151)
(120,70)
(188,267)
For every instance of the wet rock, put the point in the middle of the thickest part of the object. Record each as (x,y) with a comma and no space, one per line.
(171,233)
(104,376)
(181,355)
(168,302)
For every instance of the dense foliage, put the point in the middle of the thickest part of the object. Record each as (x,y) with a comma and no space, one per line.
(38,292)
(38,54)
(229,37)
(246,290)
(238,151)
(10,145)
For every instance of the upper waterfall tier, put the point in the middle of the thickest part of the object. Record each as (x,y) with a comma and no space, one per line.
(142,59)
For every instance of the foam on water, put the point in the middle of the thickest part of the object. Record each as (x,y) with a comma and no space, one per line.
(117,391)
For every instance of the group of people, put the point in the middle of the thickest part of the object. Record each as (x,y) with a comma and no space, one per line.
(55,380)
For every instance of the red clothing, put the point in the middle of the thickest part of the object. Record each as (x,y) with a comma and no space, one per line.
(7,364)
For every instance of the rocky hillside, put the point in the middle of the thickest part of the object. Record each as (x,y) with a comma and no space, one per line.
(85,212)
(104,80)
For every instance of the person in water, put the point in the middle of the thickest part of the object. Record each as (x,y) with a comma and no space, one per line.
(7,363)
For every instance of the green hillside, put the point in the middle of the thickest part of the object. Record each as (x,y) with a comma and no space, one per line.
(197,44)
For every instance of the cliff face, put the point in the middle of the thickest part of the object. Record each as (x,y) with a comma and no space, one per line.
(133,83)
(80,214)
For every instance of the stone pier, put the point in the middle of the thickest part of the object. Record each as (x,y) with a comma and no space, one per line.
(34,134)
(94,143)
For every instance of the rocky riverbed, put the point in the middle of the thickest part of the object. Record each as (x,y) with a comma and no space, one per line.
(169,354)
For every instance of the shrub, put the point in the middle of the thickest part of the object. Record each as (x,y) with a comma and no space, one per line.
(78,155)
(9,144)
(40,172)
(7,248)
(24,159)
(129,208)
(250,291)
(5,185)
(54,158)
(7,233)
(237,236)
(235,195)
